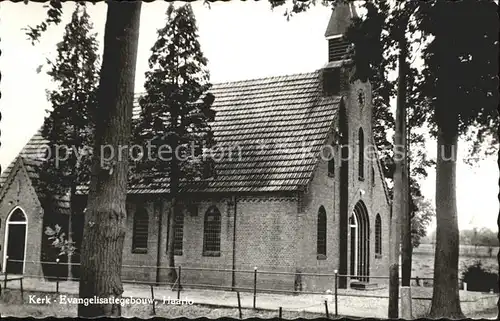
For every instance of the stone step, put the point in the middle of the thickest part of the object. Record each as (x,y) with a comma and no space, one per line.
(359,285)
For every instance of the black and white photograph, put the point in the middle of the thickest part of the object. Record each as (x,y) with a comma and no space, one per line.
(250,159)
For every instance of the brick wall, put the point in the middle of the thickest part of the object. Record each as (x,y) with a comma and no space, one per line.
(140,259)
(266,237)
(192,255)
(21,193)
(322,191)
(380,264)
(374,196)
(273,232)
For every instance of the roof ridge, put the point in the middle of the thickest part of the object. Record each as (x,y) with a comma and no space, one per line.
(277,77)
(9,179)
(244,81)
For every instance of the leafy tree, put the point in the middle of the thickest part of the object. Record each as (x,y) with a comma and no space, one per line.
(54,14)
(481,237)
(423,215)
(381,45)
(69,128)
(487,237)
(59,240)
(461,81)
(105,218)
(459,59)
(451,67)
(175,112)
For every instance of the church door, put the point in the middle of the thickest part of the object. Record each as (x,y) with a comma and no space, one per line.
(360,242)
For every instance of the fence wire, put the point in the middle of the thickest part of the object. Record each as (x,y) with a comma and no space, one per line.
(326,299)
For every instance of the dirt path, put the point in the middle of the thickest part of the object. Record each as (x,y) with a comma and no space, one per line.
(351,302)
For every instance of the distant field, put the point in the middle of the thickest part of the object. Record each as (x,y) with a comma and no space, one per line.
(423,259)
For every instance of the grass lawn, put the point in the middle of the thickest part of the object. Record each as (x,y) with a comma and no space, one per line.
(491,313)
(423,259)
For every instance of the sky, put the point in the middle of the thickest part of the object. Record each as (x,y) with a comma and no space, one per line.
(241,40)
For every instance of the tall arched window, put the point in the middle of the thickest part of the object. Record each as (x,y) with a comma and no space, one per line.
(321,235)
(211,232)
(15,246)
(361,151)
(373,177)
(378,235)
(178,233)
(140,231)
(331,167)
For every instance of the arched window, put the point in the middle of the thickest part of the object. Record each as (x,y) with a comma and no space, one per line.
(361,151)
(178,232)
(331,167)
(321,235)
(378,235)
(15,246)
(211,232)
(373,177)
(140,231)
(17,216)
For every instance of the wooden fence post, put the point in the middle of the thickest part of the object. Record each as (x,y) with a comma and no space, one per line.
(179,284)
(336,293)
(153,297)
(5,275)
(57,275)
(239,304)
(254,285)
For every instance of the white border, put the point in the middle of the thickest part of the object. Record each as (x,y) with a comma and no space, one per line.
(6,237)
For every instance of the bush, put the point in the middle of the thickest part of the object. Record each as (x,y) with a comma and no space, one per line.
(480,279)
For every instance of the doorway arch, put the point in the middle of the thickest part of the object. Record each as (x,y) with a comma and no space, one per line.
(16,229)
(359,228)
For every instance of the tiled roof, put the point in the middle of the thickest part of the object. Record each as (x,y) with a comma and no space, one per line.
(28,157)
(277,125)
(29,153)
(59,203)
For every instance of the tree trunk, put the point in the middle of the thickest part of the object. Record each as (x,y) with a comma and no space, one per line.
(105,219)
(174,187)
(445,295)
(498,236)
(72,210)
(159,253)
(399,205)
(172,273)
(405,214)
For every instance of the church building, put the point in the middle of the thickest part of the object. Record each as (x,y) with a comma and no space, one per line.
(305,193)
